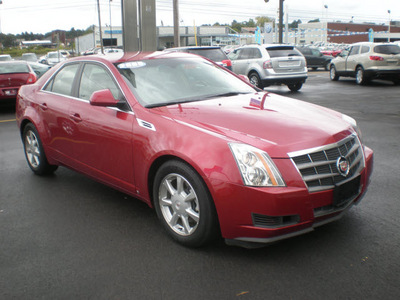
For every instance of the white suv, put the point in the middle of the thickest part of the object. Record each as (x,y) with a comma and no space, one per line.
(270,64)
(366,61)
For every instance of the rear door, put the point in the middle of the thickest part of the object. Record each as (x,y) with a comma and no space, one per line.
(55,98)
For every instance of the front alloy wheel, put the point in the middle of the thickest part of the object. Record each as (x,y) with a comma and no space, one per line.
(333,74)
(184,204)
(255,80)
(179,204)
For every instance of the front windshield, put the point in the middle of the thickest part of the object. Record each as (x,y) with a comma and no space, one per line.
(159,82)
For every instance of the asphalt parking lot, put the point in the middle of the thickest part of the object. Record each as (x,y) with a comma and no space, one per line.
(68,237)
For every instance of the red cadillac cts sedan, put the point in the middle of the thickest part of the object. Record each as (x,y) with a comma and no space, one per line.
(212,154)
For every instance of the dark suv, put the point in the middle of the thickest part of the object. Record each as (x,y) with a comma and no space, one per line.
(213,53)
(315,59)
(267,65)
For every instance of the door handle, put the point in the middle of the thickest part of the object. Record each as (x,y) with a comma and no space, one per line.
(75,117)
(43,106)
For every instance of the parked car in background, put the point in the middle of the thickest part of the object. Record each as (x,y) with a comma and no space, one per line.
(210,152)
(211,52)
(314,58)
(31,57)
(14,74)
(272,64)
(366,61)
(5,57)
(39,68)
(53,58)
(332,53)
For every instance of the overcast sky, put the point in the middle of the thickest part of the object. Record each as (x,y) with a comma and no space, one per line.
(41,16)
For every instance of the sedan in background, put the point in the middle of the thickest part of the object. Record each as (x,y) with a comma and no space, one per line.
(214,155)
(31,57)
(53,58)
(14,74)
(213,53)
(39,68)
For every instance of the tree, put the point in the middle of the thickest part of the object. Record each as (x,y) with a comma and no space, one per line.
(260,21)
(295,24)
(314,21)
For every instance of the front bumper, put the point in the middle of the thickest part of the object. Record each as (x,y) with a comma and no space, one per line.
(285,212)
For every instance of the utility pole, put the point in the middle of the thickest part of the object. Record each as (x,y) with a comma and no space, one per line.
(177,38)
(101,34)
(281,21)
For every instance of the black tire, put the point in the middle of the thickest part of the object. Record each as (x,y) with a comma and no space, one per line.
(396,81)
(314,68)
(255,80)
(34,152)
(189,216)
(326,67)
(361,79)
(333,73)
(294,87)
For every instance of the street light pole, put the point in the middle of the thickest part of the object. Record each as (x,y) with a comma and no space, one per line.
(389,25)
(281,21)
(101,34)
(111,42)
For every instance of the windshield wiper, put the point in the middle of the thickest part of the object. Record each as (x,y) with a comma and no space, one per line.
(195,99)
(225,95)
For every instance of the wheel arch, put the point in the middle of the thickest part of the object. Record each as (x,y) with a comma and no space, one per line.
(159,161)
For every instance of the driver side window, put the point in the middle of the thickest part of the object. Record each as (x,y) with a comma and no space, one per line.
(96,78)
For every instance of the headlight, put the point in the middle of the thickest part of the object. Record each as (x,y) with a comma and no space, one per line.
(353,123)
(255,166)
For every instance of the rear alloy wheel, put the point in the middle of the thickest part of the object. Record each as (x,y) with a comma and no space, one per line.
(184,205)
(34,152)
(255,80)
(361,79)
(333,74)
(295,86)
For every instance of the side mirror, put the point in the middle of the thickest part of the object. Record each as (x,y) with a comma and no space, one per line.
(103,98)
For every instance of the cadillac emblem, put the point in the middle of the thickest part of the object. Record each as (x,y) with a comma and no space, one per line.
(343,166)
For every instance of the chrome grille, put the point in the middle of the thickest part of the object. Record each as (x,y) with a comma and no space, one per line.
(318,168)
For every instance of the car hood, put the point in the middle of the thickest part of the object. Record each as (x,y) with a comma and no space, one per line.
(282,126)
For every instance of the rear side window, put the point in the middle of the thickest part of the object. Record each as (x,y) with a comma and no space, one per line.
(249,53)
(63,81)
(212,54)
(364,49)
(387,49)
(282,52)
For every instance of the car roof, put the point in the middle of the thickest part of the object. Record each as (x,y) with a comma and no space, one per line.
(193,48)
(120,57)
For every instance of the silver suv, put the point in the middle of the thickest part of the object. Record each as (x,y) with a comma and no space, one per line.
(267,65)
(366,61)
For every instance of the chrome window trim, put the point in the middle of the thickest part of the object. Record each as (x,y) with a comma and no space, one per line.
(82,62)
